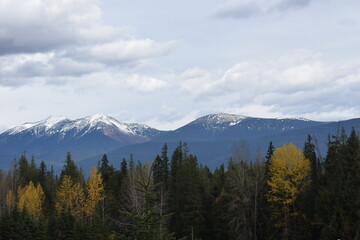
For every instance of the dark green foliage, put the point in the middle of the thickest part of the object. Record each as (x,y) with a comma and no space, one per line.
(270,152)
(65,226)
(339,206)
(161,167)
(185,195)
(308,222)
(105,169)
(19,226)
(27,171)
(70,169)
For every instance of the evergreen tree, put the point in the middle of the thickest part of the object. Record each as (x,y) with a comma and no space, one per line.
(191,209)
(307,202)
(157,174)
(65,226)
(24,171)
(176,189)
(341,188)
(269,153)
(70,169)
(165,162)
(123,167)
(105,169)
(42,174)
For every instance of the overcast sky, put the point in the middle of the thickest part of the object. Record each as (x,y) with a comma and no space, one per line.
(167,62)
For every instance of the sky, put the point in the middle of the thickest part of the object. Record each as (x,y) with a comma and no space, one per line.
(165,63)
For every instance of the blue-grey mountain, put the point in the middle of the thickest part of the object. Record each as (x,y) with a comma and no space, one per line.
(212,138)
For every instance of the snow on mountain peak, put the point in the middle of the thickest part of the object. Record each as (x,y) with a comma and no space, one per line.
(52,121)
(222,118)
(45,124)
(21,128)
(98,118)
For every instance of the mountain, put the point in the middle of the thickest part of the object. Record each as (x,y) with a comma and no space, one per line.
(213,138)
(216,127)
(52,138)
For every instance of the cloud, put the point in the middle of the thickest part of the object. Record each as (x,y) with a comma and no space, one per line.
(238,9)
(42,25)
(249,8)
(298,83)
(125,50)
(38,66)
(54,38)
(144,84)
(291,4)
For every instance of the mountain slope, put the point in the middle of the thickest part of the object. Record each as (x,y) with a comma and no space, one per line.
(53,137)
(215,127)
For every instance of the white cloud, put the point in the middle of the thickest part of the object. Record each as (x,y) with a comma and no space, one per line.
(40,25)
(126,50)
(41,67)
(54,38)
(297,84)
(144,84)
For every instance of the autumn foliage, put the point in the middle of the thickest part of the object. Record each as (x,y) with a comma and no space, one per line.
(289,172)
(94,189)
(70,197)
(31,199)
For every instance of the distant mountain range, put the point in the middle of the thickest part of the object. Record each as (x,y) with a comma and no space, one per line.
(212,138)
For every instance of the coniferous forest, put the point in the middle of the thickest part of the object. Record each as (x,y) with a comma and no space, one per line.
(290,193)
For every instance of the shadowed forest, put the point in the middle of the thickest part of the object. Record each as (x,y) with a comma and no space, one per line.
(290,193)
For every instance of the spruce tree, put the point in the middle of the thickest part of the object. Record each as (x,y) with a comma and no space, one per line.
(70,169)
(104,169)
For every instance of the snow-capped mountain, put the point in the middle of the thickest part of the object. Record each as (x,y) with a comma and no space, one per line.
(225,126)
(53,137)
(63,127)
(219,121)
(210,137)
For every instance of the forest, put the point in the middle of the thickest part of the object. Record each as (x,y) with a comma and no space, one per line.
(290,193)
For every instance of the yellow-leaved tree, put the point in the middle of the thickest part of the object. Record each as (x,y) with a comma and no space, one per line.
(94,188)
(31,199)
(70,197)
(289,174)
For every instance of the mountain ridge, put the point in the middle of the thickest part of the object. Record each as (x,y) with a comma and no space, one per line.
(210,137)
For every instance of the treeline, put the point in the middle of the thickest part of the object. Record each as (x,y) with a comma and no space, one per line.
(288,194)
